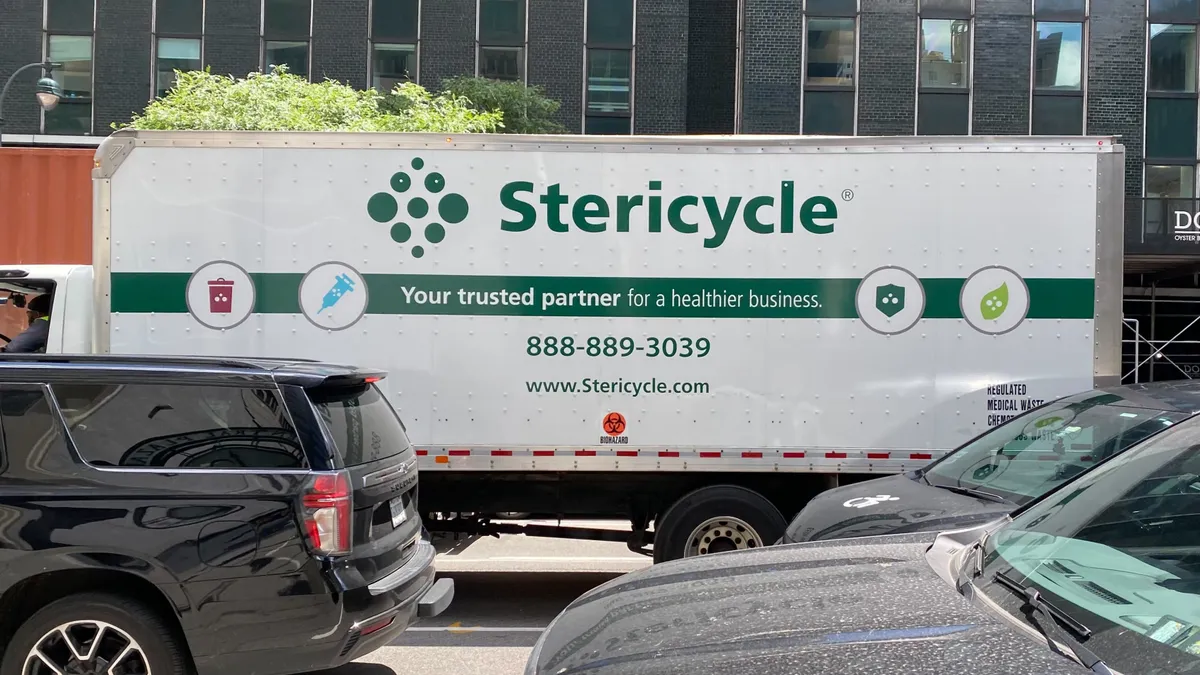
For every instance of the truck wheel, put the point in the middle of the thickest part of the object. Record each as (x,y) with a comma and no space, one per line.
(714,520)
(95,633)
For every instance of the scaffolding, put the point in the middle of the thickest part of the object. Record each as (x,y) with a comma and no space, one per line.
(1161,335)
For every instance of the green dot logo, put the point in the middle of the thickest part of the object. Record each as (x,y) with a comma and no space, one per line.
(385,207)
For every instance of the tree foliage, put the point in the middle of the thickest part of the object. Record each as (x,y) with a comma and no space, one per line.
(281,101)
(526,109)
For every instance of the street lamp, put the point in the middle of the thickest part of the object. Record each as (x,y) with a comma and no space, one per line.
(47,91)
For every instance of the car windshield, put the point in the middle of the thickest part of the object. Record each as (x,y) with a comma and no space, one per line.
(1119,552)
(1034,453)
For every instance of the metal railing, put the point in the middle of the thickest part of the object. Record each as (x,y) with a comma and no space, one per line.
(1181,358)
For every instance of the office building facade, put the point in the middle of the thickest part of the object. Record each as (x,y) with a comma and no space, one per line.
(866,67)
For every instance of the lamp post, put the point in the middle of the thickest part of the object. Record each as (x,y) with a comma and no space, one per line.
(48,92)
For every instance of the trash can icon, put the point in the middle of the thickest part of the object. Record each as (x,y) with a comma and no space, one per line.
(220,296)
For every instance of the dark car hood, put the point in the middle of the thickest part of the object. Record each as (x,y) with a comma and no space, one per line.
(893,505)
(846,607)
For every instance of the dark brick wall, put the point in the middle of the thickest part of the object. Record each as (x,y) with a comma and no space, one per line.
(711,66)
(1116,66)
(556,55)
(20,43)
(661,67)
(771,66)
(447,40)
(231,40)
(339,44)
(886,78)
(1003,51)
(121,72)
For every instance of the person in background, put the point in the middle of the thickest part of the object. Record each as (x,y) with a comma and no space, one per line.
(33,339)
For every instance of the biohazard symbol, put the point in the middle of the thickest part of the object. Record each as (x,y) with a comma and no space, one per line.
(614,424)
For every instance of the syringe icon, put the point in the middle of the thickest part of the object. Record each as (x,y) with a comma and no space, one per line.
(342,285)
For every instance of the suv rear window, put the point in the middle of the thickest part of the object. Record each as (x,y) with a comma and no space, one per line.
(363,424)
(179,426)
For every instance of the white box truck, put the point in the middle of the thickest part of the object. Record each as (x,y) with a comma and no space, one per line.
(694,333)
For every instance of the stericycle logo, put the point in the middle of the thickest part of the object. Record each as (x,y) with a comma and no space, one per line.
(525,205)
(383,207)
(710,216)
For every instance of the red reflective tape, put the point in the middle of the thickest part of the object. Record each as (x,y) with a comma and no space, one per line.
(460,453)
(627,453)
(793,455)
(422,453)
(877,455)
(921,455)
(1085,458)
(835,455)
(502,453)
(754,455)
(543,453)
(585,453)
(710,454)
(668,453)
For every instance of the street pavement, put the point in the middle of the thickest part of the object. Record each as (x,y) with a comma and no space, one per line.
(507,590)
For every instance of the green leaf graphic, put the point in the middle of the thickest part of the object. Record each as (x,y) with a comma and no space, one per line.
(994,303)
(1043,423)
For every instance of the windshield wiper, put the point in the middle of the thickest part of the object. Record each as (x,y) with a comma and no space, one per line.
(972,492)
(1034,602)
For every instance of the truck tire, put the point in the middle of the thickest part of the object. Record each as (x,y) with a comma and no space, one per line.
(716,519)
(127,630)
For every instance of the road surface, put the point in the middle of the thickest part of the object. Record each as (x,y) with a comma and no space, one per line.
(506,591)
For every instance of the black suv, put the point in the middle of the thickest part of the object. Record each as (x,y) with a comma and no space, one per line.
(175,515)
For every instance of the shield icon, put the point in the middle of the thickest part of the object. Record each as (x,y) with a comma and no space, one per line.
(889,299)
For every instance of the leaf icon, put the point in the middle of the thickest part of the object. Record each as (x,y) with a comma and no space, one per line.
(1043,423)
(994,303)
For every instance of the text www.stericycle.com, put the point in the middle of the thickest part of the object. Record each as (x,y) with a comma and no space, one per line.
(633,388)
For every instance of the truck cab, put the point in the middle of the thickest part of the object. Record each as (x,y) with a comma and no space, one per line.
(72,293)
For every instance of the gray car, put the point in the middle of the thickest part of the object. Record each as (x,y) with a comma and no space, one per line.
(1101,574)
(1002,469)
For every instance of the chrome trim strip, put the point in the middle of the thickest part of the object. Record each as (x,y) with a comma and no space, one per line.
(390,473)
(421,559)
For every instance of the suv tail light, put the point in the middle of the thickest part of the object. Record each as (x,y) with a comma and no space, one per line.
(327,513)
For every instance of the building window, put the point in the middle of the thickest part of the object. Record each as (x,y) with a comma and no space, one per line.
(829,75)
(609,67)
(502,45)
(944,70)
(286,33)
(174,54)
(1171,107)
(1172,66)
(1058,65)
(178,40)
(1171,100)
(70,25)
(1170,181)
(395,42)
(1174,11)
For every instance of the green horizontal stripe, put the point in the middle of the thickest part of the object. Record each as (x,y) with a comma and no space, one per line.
(164,292)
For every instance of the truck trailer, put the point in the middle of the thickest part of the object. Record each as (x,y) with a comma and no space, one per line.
(697,334)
